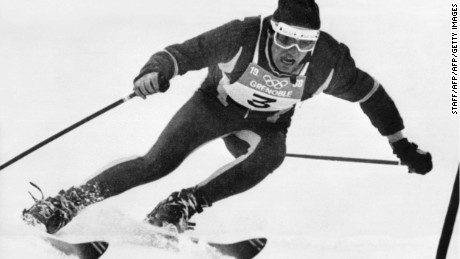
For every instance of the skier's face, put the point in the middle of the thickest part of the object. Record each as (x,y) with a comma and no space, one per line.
(287,60)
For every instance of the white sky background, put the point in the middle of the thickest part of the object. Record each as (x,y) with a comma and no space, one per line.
(63,60)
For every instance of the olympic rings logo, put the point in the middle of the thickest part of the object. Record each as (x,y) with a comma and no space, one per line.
(277,84)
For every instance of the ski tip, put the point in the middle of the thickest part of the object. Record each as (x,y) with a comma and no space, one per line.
(100,246)
(91,250)
(86,250)
(258,243)
(245,249)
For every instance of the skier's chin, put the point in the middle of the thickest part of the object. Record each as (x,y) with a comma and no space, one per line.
(286,68)
(286,65)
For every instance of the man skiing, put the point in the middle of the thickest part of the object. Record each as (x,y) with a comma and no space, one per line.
(258,69)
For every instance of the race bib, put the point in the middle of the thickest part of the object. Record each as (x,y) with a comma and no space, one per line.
(258,89)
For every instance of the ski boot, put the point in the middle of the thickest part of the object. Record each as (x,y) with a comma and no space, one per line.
(53,213)
(174,212)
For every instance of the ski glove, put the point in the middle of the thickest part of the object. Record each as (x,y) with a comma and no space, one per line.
(418,161)
(150,83)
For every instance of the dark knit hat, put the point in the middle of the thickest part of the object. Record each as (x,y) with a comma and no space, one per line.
(302,13)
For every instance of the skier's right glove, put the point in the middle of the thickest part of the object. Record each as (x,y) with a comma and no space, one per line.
(150,83)
(418,161)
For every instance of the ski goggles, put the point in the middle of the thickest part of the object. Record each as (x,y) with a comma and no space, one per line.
(287,36)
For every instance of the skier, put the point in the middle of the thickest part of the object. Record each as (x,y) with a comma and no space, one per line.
(258,69)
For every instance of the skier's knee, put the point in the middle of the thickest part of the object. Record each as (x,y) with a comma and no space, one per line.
(272,158)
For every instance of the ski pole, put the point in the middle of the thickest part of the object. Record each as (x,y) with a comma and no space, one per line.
(346,159)
(66,130)
(449,221)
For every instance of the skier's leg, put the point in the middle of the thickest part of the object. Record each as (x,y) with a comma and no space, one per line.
(257,155)
(260,156)
(194,124)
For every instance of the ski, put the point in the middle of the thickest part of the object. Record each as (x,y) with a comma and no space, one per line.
(245,249)
(86,250)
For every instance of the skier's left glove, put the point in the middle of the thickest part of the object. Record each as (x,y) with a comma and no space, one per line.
(418,161)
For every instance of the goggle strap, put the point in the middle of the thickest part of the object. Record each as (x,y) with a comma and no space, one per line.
(295,32)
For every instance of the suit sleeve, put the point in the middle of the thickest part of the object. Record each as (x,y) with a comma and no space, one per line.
(352,84)
(349,82)
(212,47)
(382,112)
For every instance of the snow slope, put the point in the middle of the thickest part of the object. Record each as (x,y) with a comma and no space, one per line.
(63,60)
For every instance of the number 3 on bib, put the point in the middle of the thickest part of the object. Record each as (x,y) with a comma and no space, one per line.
(260,101)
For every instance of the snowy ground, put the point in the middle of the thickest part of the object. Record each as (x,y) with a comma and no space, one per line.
(63,60)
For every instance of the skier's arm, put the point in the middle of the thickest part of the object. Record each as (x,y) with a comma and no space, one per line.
(352,84)
(212,47)
(215,46)
(383,114)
